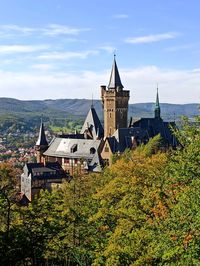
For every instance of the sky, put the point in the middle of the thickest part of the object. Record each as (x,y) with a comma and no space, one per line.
(57,49)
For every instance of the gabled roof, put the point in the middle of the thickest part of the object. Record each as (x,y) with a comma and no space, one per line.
(124,137)
(93,124)
(61,147)
(115,81)
(42,141)
(86,149)
(112,143)
(48,170)
(156,126)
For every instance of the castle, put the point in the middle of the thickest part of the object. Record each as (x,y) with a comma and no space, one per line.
(92,148)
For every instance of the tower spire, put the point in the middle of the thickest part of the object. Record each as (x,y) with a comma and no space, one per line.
(42,141)
(157,105)
(92,105)
(41,144)
(115,81)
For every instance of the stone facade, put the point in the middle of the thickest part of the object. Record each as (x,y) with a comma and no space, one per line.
(115,105)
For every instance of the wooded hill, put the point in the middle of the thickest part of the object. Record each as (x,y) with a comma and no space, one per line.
(78,108)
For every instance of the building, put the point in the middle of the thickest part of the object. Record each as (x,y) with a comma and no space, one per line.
(115,103)
(93,147)
(76,153)
(37,176)
(156,125)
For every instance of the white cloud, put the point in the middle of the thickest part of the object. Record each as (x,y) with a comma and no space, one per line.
(189,46)
(175,86)
(108,48)
(43,67)
(67,55)
(55,29)
(11,49)
(120,16)
(151,38)
(51,30)
(17,29)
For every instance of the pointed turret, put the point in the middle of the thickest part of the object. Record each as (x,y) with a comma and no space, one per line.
(157,106)
(41,144)
(42,141)
(115,81)
(92,124)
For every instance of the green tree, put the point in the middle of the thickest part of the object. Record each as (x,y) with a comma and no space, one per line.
(131,203)
(181,229)
(8,209)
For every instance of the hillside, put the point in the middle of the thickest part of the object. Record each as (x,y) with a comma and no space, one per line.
(78,108)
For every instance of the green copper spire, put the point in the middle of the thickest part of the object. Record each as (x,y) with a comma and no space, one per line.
(157,106)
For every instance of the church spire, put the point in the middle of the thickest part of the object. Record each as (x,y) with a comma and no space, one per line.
(157,106)
(115,81)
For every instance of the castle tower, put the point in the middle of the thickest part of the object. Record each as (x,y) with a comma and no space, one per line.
(157,107)
(41,144)
(115,103)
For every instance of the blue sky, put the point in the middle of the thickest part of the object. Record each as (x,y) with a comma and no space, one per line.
(64,49)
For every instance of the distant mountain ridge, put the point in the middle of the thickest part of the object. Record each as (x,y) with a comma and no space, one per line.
(79,108)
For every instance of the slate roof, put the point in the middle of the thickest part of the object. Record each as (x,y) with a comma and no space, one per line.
(155,126)
(123,138)
(115,81)
(112,143)
(87,149)
(72,136)
(42,141)
(61,147)
(93,124)
(95,164)
(49,170)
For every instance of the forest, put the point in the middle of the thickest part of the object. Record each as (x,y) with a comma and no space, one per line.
(142,210)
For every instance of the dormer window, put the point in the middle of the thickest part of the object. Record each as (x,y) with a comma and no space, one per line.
(74,148)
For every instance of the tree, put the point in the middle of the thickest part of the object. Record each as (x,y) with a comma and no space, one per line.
(181,228)
(131,203)
(8,208)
